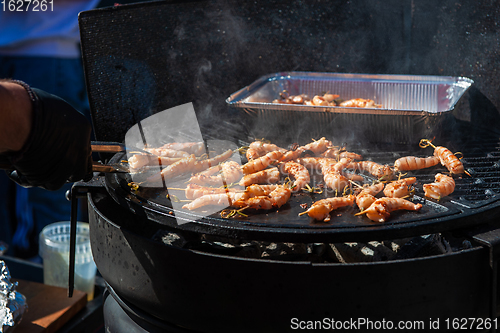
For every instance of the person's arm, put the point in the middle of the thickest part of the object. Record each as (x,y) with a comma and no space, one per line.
(43,137)
(16,116)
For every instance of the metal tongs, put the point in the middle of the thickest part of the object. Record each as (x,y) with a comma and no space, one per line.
(108,147)
(97,166)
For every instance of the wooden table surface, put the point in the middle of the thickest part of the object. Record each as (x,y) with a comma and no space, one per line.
(49,308)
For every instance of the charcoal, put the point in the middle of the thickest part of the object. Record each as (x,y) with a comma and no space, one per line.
(348,252)
(362,252)
(422,246)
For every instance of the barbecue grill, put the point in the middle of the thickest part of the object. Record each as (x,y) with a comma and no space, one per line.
(163,275)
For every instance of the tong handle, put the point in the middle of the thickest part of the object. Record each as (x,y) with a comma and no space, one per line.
(97,146)
(106,147)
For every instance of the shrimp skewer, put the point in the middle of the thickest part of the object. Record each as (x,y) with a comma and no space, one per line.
(299,172)
(339,153)
(380,210)
(443,186)
(336,181)
(167,152)
(320,210)
(194,191)
(375,169)
(313,163)
(332,175)
(252,154)
(228,172)
(260,148)
(330,169)
(138,161)
(266,176)
(261,163)
(196,148)
(328,166)
(175,169)
(399,188)
(189,164)
(317,147)
(367,195)
(446,157)
(205,164)
(277,198)
(217,199)
(256,190)
(409,163)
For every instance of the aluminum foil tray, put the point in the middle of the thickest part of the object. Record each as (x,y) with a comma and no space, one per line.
(412,107)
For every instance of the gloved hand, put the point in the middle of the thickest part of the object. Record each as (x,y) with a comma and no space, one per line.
(58,148)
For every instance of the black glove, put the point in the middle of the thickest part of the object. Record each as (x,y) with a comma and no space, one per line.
(58,148)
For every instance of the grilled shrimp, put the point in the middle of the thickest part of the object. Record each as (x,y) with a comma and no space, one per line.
(399,188)
(317,147)
(218,199)
(196,148)
(367,195)
(329,165)
(261,163)
(408,163)
(228,172)
(320,101)
(359,103)
(320,210)
(312,163)
(375,169)
(137,161)
(443,186)
(188,165)
(354,177)
(266,176)
(380,210)
(446,157)
(336,181)
(175,169)
(194,191)
(330,168)
(252,153)
(339,153)
(266,147)
(449,160)
(332,175)
(324,164)
(277,198)
(256,190)
(330,97)
(260,148)
(205,164)
(167,152)
(326,99)
(299,172)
